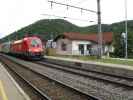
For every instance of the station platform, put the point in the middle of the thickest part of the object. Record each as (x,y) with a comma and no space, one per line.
(9,89)
(126,67)
(108,68)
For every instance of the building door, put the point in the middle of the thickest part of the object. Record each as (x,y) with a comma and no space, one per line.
(89,49)
(81,49)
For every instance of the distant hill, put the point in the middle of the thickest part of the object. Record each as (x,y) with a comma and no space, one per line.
(50,28)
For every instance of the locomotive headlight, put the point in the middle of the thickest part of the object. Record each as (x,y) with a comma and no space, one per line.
(36,50)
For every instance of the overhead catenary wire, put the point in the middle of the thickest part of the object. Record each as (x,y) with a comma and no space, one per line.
(73,6)
(64,17)
(80,2)
(76,2)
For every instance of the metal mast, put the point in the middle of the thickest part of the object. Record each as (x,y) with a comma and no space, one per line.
(100,51)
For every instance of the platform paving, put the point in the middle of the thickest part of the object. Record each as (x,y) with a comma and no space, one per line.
(93,62)
(9,89)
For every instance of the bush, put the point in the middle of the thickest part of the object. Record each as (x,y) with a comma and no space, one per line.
(50,52)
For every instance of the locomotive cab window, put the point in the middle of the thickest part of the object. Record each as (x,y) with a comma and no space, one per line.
(35,43)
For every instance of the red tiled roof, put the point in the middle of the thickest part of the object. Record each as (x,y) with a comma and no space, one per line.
(107,36)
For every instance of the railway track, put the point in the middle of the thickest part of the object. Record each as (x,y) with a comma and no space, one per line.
(12,68)
(46,88)
(120,80)
(124,85)
(85,82)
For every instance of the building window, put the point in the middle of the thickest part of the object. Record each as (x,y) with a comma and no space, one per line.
(88,47)
(81,49)
(63,46)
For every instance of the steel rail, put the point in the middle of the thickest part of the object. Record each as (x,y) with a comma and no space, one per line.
(78,67)
(84,72)
(42,94)
(90,96)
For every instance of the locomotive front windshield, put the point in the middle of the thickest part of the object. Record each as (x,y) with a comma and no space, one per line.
(35,43)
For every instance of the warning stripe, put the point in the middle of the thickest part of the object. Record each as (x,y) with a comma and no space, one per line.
(2,91)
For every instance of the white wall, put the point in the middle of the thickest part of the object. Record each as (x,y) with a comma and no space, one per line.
(73,47)
(68,50)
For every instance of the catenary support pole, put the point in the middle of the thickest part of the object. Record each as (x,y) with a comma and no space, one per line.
(99,36)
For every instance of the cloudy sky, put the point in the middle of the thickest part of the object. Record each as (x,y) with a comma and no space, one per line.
(16,14)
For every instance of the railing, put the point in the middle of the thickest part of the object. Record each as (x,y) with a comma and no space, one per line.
(85,52)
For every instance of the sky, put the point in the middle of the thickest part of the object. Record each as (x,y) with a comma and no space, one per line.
(16,14)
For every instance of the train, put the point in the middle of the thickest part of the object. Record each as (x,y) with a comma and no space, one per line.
(28,47)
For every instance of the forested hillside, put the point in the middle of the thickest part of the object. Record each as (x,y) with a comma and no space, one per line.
(50,28)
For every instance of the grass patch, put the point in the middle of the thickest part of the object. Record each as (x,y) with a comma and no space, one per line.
(117,61)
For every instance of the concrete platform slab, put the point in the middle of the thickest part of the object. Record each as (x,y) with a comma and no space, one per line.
(9,89)
(93,62)
(108,68)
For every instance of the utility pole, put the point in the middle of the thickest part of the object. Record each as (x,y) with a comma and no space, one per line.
(100,50)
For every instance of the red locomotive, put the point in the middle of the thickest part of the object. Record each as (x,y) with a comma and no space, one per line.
(30,47)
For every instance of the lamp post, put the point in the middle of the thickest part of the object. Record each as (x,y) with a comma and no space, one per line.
(126,55)
(123,42)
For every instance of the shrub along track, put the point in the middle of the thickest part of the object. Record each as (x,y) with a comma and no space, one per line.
(44,88)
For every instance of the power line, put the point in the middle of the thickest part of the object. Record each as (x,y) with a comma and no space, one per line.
(81,2)
(73,6)
(64,17)
(72,1)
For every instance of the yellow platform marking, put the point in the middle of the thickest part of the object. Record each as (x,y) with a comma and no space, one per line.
(2,91)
